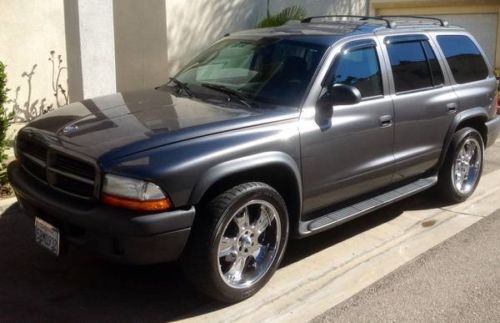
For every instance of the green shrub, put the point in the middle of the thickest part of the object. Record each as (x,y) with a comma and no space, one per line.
(281,18)
(5,121)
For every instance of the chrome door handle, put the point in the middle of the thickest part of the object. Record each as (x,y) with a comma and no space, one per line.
(385,121)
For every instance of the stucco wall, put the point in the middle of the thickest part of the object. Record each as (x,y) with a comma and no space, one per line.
(30,30)
(193,27)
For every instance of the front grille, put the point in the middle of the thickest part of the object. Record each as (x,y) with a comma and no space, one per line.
(56,169)
(73,166)
(69,185)
(34,150)
(35,169)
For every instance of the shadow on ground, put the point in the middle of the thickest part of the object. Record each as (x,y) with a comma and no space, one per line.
(80,287)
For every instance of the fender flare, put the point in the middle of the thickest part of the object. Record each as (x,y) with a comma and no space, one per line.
(247,163)
(460,118)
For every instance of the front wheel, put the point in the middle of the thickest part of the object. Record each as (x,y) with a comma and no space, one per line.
(463,166)
(237,242)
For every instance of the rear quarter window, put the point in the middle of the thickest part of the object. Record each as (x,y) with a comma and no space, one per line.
(464,58)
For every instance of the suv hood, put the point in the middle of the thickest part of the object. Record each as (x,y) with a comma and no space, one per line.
(120,124)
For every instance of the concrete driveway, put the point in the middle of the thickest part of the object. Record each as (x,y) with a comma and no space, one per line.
(456,281)
(317,272)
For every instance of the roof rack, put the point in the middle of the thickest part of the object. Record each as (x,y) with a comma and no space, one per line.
(442,23)
(388,23)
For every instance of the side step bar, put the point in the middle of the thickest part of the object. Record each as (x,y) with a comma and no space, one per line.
(361,208)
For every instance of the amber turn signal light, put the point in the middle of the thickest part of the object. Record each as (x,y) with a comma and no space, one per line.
(137,205)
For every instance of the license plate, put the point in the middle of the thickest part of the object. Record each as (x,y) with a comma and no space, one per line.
(47,236)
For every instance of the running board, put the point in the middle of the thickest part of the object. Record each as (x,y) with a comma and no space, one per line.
(361,208)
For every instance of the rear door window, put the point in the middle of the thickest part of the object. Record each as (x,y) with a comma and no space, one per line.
(409,66)
(414,63)
(464,58)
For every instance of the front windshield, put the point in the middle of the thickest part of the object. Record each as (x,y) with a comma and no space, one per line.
(268,70)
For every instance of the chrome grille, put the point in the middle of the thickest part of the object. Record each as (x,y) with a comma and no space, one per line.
(56,169)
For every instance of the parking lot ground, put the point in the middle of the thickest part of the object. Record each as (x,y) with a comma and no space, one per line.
(456,281)
(317,273)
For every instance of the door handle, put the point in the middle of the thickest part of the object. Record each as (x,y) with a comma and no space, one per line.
(385,121)
(452,107)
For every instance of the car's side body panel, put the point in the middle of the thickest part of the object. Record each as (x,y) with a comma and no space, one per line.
(422,117)
(274,159)
(347,155)
(424,122)
(475,99)
(421,122)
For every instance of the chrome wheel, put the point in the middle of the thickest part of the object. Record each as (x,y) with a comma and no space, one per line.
(249,244)
(467,166)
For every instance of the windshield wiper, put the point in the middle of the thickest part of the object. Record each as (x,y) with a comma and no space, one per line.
(226,90)
(182,86)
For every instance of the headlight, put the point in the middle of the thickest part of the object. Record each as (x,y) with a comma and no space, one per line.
(134,194)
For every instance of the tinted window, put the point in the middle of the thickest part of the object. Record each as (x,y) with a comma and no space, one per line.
(465,60)
(360,68)
(436,73)
(409,66)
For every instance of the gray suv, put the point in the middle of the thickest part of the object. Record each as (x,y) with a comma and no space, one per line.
(268,134)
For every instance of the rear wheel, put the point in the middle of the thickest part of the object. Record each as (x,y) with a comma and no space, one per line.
(237,242)
(463,166)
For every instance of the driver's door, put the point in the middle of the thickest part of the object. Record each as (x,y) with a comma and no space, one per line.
(350,151)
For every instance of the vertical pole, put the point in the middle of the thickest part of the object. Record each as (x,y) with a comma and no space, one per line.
(97,43)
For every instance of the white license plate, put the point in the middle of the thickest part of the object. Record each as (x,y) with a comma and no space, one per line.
(47,236)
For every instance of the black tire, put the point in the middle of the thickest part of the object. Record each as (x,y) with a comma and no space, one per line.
(200,261)
(445,187)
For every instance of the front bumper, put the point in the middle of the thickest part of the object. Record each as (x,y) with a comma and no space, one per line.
(493,127)
(116,234)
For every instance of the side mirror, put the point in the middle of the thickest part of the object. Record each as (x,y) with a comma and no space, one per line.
(344,94)
(338,94)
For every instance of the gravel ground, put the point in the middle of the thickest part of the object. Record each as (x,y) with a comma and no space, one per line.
(457,281)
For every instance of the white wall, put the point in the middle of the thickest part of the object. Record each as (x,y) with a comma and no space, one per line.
(194,26)
(30,29)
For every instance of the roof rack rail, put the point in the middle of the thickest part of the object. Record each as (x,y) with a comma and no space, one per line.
(442,23)
(388,23)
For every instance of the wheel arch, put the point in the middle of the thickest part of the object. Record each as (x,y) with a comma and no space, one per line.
(277,169)
(475,118)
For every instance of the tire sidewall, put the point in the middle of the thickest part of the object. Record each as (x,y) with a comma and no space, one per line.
(262,193)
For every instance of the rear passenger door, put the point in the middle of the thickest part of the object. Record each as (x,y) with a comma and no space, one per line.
(424,103)
(472,78)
